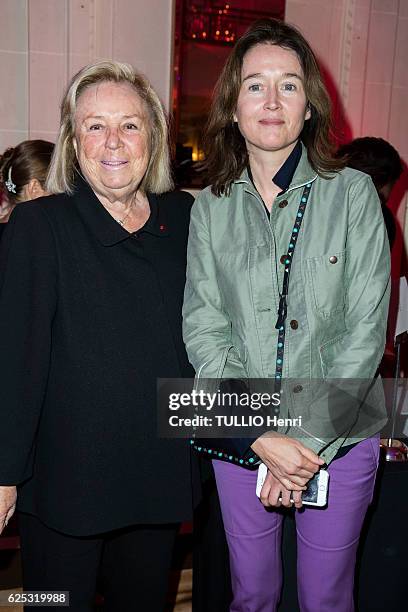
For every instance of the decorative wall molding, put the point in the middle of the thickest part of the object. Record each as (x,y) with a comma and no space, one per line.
(346,49)
(92,30)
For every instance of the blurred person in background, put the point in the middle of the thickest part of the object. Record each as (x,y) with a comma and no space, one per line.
(380,160)
(23,172)
(377,158)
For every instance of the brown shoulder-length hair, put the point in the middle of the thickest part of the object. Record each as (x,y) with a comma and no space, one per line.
(20,164)
(226,153)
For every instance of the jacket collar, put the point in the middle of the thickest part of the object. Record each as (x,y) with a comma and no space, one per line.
(303,174)
(286,172)
(108,231)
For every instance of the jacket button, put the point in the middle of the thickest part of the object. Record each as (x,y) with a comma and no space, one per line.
(294,324)
(333,259)
(283,258)
(283,204)
(297,389)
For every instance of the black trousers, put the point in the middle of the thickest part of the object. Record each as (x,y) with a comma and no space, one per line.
(133,563)
(212,590)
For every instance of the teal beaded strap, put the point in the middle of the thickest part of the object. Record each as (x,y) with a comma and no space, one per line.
(250,460)
(282,310)
(213,453)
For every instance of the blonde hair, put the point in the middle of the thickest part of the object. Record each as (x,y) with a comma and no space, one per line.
(157,178)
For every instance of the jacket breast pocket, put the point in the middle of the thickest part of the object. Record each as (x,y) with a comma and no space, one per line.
(326,275)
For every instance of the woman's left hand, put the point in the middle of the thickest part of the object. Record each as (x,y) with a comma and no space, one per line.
(8,500)
(290,461)
(274,494)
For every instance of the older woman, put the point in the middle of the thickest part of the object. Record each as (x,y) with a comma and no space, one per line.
(288,273)
(90,316)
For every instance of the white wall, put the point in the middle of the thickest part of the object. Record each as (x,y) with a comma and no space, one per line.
(44,42)
(364,45)
(14,106)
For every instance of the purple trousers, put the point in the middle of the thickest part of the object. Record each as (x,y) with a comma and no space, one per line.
(327,539)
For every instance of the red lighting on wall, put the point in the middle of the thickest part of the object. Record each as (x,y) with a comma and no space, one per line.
(210,21)
(224,22)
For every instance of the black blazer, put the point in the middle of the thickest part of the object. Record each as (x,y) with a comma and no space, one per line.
(90,317)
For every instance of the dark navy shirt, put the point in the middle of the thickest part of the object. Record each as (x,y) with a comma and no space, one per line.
(284,175)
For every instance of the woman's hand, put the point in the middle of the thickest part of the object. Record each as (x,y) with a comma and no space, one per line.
(272,490)
(288,460)
(8,498)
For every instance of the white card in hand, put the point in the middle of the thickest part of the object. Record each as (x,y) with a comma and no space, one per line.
(262,472)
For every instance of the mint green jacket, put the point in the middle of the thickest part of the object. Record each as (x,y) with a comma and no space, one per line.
(234,276)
